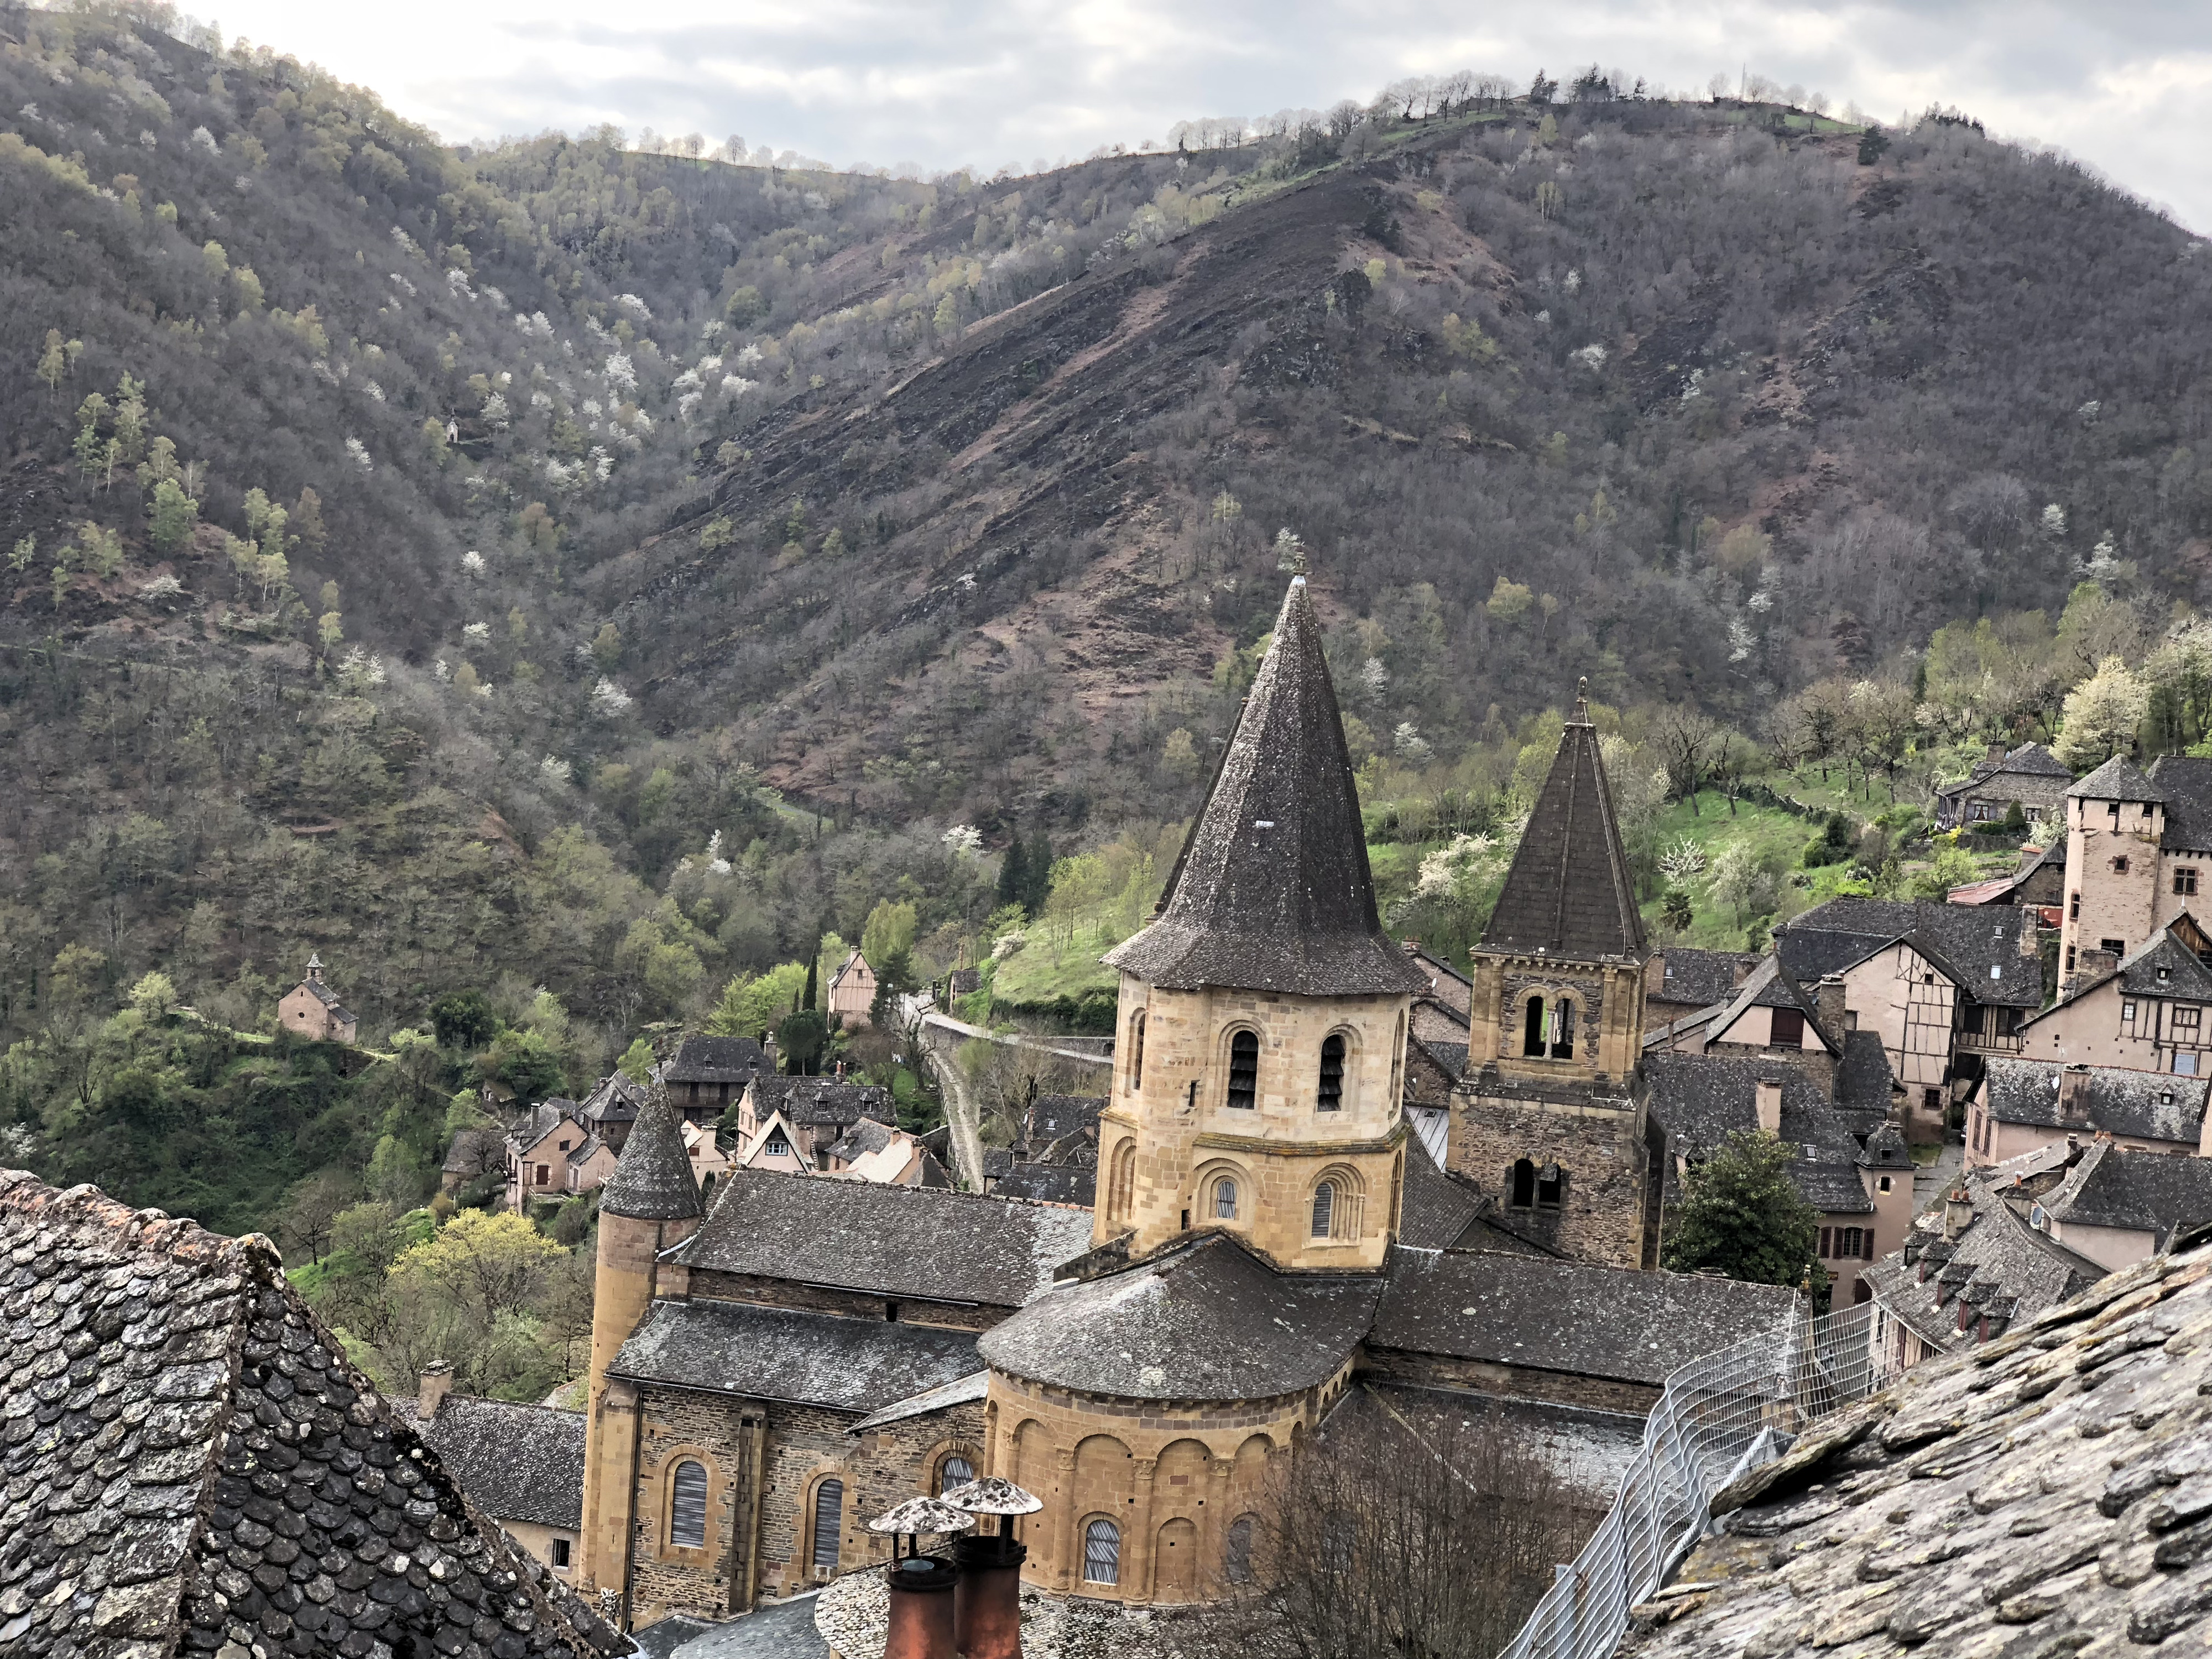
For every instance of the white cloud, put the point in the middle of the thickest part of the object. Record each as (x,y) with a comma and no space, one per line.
(2125,85)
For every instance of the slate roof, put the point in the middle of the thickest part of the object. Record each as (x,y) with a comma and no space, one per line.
(1699,1100)
(821,1102)
(2031,760)
(1770,987)
(2118,778)
(540,1120)
(1613,1323)
(791,1354)
(652,1179)
(327,997)
(2003,1267)
(1451,1057)
(2187,784)
(1863,1078)
(2146,1105)
(866,1137)
(959,1392)
(1701,978)
(888,1241)
(2154,1193)
(1051,1117)
(1205,1320)
(1967,941)
(1434,1209)
(2035,1498)
(516,1462)
(1272,891)
(2165,967)
(616,1100)
(1050,1183)
(1569,892)
(190,1462)
(715,1059)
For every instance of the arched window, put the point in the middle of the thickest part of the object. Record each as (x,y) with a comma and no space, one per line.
(958,1472)
(687,1505)
(828,1524)
(1331,1093)
(1532,1034)
(1551,1188)
(1239,1556)
(1324,1209)
(1101,1552)
(1121,1190)
(1523,1196)
(1398,1068)
(1136,1051)
(1244,1071)
(1563,1028)
(1224,1199)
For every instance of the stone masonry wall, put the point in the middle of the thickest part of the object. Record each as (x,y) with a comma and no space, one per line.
(1600,1147)
(816,1299)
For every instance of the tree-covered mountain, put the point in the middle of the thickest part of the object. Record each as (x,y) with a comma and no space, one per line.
(564,566)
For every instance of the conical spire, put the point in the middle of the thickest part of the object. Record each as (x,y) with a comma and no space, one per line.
(652,1179)
(1569,893)
(1272,891)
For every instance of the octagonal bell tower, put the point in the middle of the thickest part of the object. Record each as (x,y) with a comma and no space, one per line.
(1259,1067)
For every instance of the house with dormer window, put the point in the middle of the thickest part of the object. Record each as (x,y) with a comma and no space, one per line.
(2146,1013)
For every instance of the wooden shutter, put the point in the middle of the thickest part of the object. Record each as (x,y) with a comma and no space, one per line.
(687,1514)
(828,1524)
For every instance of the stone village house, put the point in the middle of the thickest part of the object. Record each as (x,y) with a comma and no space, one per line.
(312,1009)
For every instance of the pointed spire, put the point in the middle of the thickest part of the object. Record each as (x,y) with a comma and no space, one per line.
(1569,893)
(1272,891)
(652,1179)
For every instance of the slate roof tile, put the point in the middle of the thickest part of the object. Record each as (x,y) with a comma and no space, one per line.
(1272,891)
(791,1354)
(2155,1192)
(715,1059)
(1967,941)
(1569,892)
(1205,1320)
(888,1241)
(236,1452)
(820,1102)
(652,1179)
(516,1462)
(2186,783)
(2146,1105)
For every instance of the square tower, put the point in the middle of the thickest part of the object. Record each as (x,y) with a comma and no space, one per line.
(1549,1118)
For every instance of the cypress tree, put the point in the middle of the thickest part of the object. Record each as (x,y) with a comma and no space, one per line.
(813,962)
(1038,874)
(1013,875)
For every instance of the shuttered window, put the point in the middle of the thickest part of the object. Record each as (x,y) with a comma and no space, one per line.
(1225,1201)
(1239,1562)
(958,1472)
(829,1522)
(1332,1075)
(1101,1552)
(1324,1209)
(1244,1071)
(687,1508)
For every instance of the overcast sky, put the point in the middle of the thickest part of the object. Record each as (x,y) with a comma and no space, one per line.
(2125,85)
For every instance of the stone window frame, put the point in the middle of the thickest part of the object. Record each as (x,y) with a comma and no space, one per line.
(1347,1095)
(1578,1000)
(1347,1217)
(943,1452)
(1206,1184)
(674,1458)
(1083,1528)
(1134,1083)
(1121,1179)
(802,1546)
(1227,1049)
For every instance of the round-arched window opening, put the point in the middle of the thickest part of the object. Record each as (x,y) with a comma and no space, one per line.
(1329,1096)
(1244,1071)
(1225,1200)
(687,1505)
(1324,1209)
(958,1472)
(829,1522)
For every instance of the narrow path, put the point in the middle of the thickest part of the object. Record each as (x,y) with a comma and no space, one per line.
(941,1037)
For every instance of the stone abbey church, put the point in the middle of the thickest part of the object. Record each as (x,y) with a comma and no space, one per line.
(1271,1239)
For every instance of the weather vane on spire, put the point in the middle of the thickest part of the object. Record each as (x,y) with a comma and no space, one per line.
(1582,700)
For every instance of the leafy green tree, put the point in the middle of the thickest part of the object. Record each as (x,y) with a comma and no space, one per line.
(894,979)
(175,515)
(637,1061)
(1743,1215)
(154,995)
(463,1019)
(800,1040)
(752,1004)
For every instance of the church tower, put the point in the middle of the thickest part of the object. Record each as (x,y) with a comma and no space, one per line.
(649,1204)
(1260,1061)
(1549,1117)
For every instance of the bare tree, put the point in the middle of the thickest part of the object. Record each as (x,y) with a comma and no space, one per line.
(1413,1525)
(1686,736)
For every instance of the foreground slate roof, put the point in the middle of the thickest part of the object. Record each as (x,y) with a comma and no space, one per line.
(787,1354)
(888,1241)
(1272,891)
(191,1466)
(516,1462)
(2045,1495)
(1613,1323)
(2148,1105)
(1569,892)
(1207,1319)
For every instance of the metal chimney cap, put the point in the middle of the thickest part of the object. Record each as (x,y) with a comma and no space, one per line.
(919,1514)
(991,1496)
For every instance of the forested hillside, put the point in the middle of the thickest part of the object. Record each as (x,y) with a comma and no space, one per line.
(564,567)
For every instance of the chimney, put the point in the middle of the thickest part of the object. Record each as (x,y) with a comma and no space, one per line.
(1741,970)
(2074,1095)
(436,1382)
(1828,1005)
(1996,754)
(1769,1106)
(920,1625)
(1958,1213)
